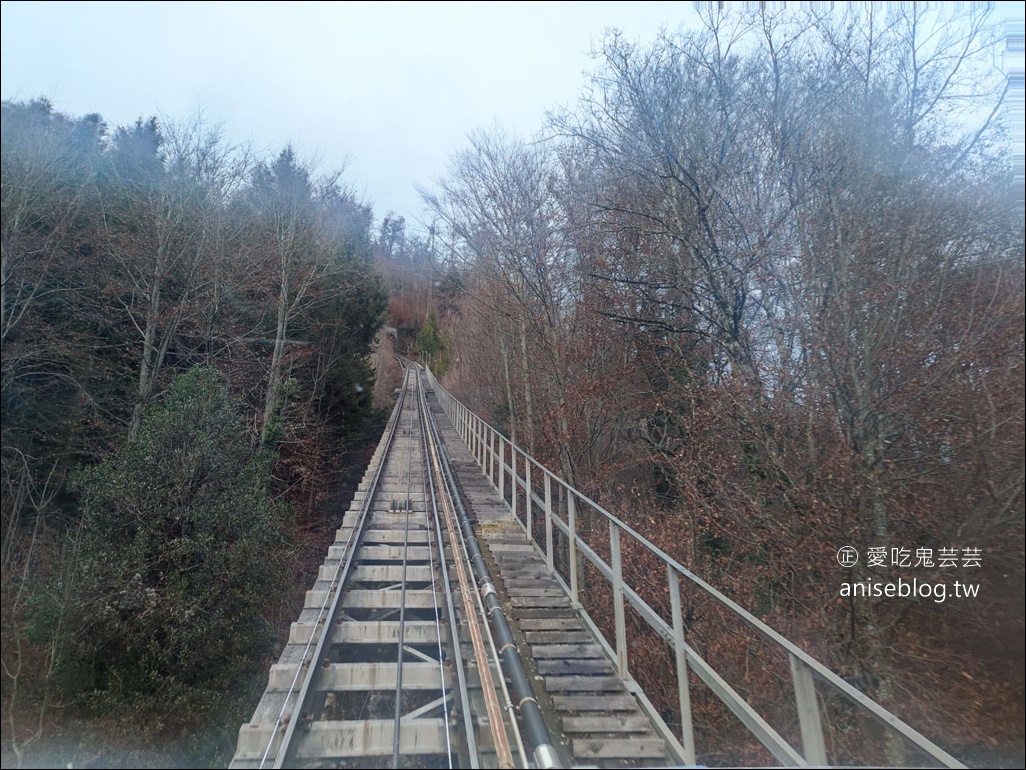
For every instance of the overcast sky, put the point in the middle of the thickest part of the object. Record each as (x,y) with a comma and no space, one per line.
(388,89)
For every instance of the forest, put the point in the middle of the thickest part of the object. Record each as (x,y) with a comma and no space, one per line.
(186,335)
(761,293)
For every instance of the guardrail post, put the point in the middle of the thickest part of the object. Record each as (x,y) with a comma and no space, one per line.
(687,730)
(571,514)
(528,498)
(813,746)
(476,443)
(514,480)
(492,435)
(483,462)
(502,468)
(616,562)
(481,447)
(548,521)
(497,457)
(486,449)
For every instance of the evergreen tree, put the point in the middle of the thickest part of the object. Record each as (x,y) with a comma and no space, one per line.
(181,549)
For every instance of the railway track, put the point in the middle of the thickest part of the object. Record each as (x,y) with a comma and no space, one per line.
(401,656)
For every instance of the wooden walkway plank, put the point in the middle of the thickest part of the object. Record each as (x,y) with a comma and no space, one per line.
(559,637)
(567,651)
(607,724)
(578,703)
(602,724)
(540,601)
(584,684)
(552,624)
(575,667)
(633,749)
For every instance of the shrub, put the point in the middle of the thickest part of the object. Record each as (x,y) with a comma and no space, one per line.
(181,548)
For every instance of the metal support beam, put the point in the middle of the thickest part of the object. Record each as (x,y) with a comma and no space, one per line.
(571,507)
(805,700)
(618,608)
(687,731)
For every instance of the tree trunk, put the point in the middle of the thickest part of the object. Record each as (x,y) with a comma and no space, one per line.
(528,400)
(274,374)
(148,358)
(509,388)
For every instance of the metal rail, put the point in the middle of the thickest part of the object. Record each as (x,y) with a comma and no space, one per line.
(517,476)
(544,753)
(488,690)
(507,656)
(398,713)
(383,564)
(328,611)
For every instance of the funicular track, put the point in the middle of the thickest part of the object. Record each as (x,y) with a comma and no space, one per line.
(404,657)
(393,661)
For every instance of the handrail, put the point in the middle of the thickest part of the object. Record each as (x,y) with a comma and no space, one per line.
(488,447)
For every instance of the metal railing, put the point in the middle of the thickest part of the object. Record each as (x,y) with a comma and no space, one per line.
(532,491)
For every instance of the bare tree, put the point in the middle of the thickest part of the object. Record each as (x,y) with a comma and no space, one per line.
(174,179)
(500,207)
